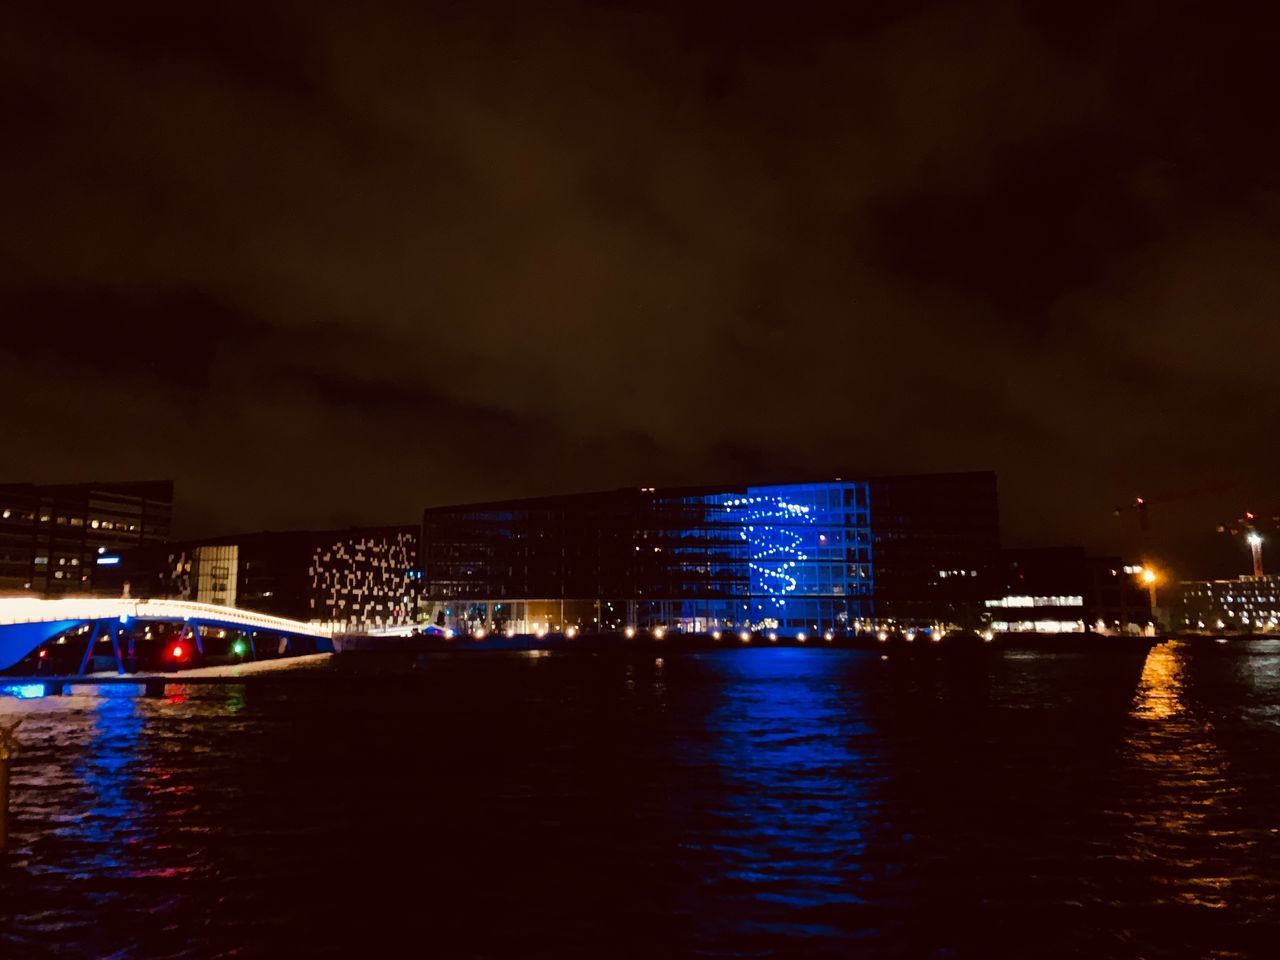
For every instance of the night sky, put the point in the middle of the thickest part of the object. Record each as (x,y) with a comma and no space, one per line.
(325,264)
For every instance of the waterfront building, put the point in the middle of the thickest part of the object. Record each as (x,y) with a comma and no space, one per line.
(839,555)
(359,579)
(1119,600)
(1243,605)
(1063,590)
(18,506)
(53,537)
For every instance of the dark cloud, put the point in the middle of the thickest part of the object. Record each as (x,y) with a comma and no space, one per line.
(325,263)
(130,335)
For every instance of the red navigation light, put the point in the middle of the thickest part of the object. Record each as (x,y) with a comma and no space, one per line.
(178,651)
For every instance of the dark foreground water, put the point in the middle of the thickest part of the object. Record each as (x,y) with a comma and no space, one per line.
(749,802)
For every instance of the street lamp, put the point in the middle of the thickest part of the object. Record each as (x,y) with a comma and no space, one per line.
(1149,578)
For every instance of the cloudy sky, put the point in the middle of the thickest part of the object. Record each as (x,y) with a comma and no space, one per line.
(327,263)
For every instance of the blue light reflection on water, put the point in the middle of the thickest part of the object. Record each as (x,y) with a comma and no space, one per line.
(23,691)
(108,769)
(796,776)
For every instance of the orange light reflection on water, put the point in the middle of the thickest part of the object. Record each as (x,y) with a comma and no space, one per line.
(1160,688)
(1183,790)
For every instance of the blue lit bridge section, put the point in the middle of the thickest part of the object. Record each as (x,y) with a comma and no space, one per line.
(28,624)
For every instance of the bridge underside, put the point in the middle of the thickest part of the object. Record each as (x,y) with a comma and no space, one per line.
(19,639)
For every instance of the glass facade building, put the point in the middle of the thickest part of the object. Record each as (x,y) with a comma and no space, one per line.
(836,555)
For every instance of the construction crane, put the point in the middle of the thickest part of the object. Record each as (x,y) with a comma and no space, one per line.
(1251,526)
(1142,505)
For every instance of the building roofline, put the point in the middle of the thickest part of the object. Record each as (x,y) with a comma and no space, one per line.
(233,539)
(693,491)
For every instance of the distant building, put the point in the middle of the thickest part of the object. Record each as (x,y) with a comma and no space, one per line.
(1063,590)
(836,555)
(934,540)
(357,579)
(53,537)
(1118,600)
(19,506)
(1243,605)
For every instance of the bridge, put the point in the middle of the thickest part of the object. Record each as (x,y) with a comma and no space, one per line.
(29,626)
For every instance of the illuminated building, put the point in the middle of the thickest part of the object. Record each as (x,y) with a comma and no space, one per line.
(53,537)
(1062,590)
(1028,613)
(797,557)
(356,579)
(1243,605)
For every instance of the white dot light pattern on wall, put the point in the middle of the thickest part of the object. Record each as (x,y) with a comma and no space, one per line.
(775,545)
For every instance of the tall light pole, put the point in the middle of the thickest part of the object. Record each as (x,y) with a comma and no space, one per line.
(1251,526)
(1255,544)
(1149,578)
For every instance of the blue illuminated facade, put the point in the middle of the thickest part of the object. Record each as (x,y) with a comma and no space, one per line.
(808,554)
(797,557)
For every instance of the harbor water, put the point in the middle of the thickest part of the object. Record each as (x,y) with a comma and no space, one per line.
(647,803)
